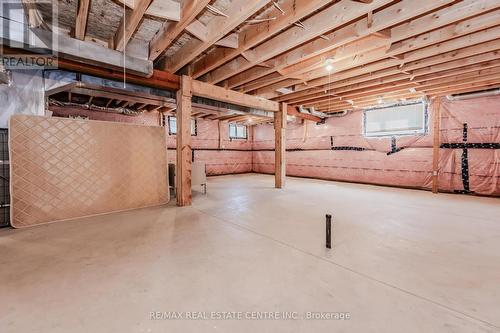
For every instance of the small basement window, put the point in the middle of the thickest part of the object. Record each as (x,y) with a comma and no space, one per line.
(399,119)
(172,126)
(237,131)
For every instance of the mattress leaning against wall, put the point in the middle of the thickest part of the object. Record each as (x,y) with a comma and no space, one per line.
(67,168)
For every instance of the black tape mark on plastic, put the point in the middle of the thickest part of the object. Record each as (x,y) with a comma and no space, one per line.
(332,147)
(465,163)
(394,146)
(349,148)
(470,145)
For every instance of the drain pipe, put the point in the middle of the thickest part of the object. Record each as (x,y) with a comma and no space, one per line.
(494,92)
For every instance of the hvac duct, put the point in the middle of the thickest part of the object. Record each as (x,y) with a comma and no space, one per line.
(486,93)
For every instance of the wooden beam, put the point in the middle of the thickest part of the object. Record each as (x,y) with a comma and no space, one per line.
(70,48)
(165,9)
(170,31)
(349,52)
(159,79)
(81,19)
(254,34)
(184,162)
(230,41)
(435,82)
(316,25)
(316,52)
(432,55)
(280,146)
(129,23)
(60,88)
(198,30)
(368,54)
(434,73)
(219,26)
(436,106)
(472,88)
(391,74)
(217,93)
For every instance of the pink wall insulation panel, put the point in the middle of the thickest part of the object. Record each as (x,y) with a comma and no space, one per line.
(221,155)
(405,169)
(311,154)
(236,159)
(68,168)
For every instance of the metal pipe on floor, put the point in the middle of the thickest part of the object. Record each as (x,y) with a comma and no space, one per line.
(328,231)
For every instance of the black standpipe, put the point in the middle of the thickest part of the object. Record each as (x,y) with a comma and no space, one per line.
(328,231)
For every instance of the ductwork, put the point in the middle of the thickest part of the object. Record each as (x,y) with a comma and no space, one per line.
(311,111)
(322,115)
(462,97)
(339,113)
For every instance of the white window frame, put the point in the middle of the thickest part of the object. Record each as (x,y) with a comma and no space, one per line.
(238,137)
(173,130)
(399,132)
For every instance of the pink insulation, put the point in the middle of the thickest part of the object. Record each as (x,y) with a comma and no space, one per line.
(310,154)
(221,155)
(212,145)
(482,116)
(367,160)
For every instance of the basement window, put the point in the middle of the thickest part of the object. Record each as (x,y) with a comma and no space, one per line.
(397,119)
(237,131)
(172,126)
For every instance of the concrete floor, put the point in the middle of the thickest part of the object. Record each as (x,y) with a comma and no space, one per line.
(403,261)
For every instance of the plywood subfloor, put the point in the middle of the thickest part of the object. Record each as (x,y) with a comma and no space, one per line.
(403,261)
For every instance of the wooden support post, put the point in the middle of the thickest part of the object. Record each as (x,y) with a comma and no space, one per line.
(183,169)
(437,142)
(280,146)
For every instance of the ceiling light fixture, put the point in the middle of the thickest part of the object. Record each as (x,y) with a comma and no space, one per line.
(329,65)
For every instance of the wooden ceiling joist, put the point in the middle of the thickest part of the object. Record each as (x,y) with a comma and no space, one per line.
(392,74)
(210,91)
(170,31)
(459,11)
(477,83)
(160,9)
(129,23)
(423,87)
(395,81)
(413,59)
(272,52)
(257,33)
(396,51)
(391,66)
(218,27)
(81,18)
(315,26)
